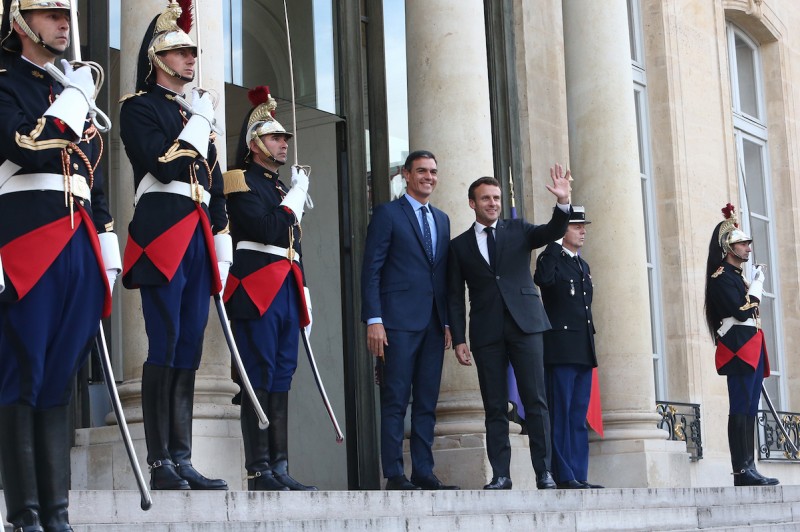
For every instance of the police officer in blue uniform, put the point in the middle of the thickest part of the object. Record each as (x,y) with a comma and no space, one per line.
(56,240)
(569,355)
(732,316)
(266,297)
(171,255)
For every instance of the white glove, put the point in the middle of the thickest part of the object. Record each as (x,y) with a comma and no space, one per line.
(308,307)
(109,249)
(299,178)
(223,245)
(72,105)
(2,279)
(297,195)
(757,286)
(198,128)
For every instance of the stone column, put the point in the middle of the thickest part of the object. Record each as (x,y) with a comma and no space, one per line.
(604,161)
(449,115)
(99,460)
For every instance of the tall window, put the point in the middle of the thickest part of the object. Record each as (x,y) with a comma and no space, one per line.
(648,197)
(755,190)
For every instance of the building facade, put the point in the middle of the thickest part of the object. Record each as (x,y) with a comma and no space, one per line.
(664,110)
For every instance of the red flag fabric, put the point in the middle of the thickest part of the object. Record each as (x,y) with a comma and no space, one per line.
(594,416)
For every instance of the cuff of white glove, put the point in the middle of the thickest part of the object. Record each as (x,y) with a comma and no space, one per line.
(308,298)
(2,279)
(71,107)
(196,133)
(223,245)
(295,199)
(756,289)
(109,248)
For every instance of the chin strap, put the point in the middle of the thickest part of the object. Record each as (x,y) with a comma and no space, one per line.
(37,39)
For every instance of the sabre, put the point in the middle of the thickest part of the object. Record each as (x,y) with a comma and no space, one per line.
(765,394)
(108,373)
(263,422)
(98,117)
(320,386)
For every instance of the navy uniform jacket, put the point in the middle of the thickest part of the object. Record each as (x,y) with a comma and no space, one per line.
(739,349)
(150,123)
(566,286)
(256,214)
(37,144)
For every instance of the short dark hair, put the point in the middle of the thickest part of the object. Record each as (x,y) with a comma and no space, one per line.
(486,180)
(418,154)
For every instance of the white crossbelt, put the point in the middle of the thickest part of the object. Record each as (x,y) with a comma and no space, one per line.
(25,182)
(267,248)
(151,184)
(730,321)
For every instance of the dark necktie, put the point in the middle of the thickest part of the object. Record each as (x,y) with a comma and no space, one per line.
(491,245)
(426,234)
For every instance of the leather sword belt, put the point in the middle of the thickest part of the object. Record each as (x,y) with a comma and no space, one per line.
(286,253)
(193,191)
(24,182)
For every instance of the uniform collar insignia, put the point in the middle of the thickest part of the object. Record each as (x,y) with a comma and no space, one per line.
(719,272)
(37,74)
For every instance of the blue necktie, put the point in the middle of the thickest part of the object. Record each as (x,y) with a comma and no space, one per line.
(426,234)
(491,245)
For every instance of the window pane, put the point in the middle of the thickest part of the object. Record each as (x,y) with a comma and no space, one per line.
(759,232)
(773,385)
(754,177)
(394,20)
(767,312)
(637,104)
(632,32)
(746,70)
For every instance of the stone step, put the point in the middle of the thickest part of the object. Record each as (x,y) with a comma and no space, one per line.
(770,508)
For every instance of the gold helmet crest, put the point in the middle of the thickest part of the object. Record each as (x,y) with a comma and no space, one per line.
(729,232)
(171,32)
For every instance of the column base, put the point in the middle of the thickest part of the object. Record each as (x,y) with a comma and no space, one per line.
(99,460)
(645,463)
(462,460)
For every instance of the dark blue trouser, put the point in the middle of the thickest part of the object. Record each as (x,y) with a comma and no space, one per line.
(46,336)
(569,387)
(269,344)
(744,390)
(176,314)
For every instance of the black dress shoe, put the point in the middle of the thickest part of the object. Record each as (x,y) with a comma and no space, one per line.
(431,483)
(571,485)
(400,482)
(499,483)
(544,481)
(590,486)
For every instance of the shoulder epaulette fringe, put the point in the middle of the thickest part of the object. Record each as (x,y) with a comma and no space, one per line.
(718,272)
(235,182)
(131,95)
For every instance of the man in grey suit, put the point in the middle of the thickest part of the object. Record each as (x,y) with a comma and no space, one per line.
(404,293)
(507,318)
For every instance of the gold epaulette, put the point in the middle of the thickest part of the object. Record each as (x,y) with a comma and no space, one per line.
(235,182)
(129,96)
(718,272)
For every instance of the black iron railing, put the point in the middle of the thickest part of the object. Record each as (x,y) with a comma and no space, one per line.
(772,444)
(682,422)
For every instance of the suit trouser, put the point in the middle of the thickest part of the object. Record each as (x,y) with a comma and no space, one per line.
(525,352)
(412,367)
(569,387)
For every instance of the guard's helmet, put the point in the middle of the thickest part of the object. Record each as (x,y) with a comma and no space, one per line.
(12,12)
(260,121)
(729,232)
(168,31)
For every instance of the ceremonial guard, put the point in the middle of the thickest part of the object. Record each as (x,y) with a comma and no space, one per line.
(56,240)
(732,316)
(266,297)
(565,280)
(170,254)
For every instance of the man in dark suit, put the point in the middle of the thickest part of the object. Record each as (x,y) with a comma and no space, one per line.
(569,356)
(404,289)
(506,318)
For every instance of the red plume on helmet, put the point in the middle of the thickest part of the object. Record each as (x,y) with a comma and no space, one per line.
(186,19)
(728,211)
(259,95)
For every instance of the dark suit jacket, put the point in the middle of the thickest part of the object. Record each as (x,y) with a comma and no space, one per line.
(398,283)
(510,287)
(567,296)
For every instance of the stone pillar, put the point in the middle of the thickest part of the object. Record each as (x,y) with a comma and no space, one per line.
(605,165)
(444,89)
(99,460)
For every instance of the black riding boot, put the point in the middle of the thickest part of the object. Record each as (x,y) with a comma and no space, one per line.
(180,439)
(739,445)
(156,400)
(52,429)
(19,468)
(256,447)
(279,441)
(750,433)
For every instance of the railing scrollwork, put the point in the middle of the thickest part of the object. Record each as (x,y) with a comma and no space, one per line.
(682,422)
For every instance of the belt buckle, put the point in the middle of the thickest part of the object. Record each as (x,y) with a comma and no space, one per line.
(290,253)
(197,192)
